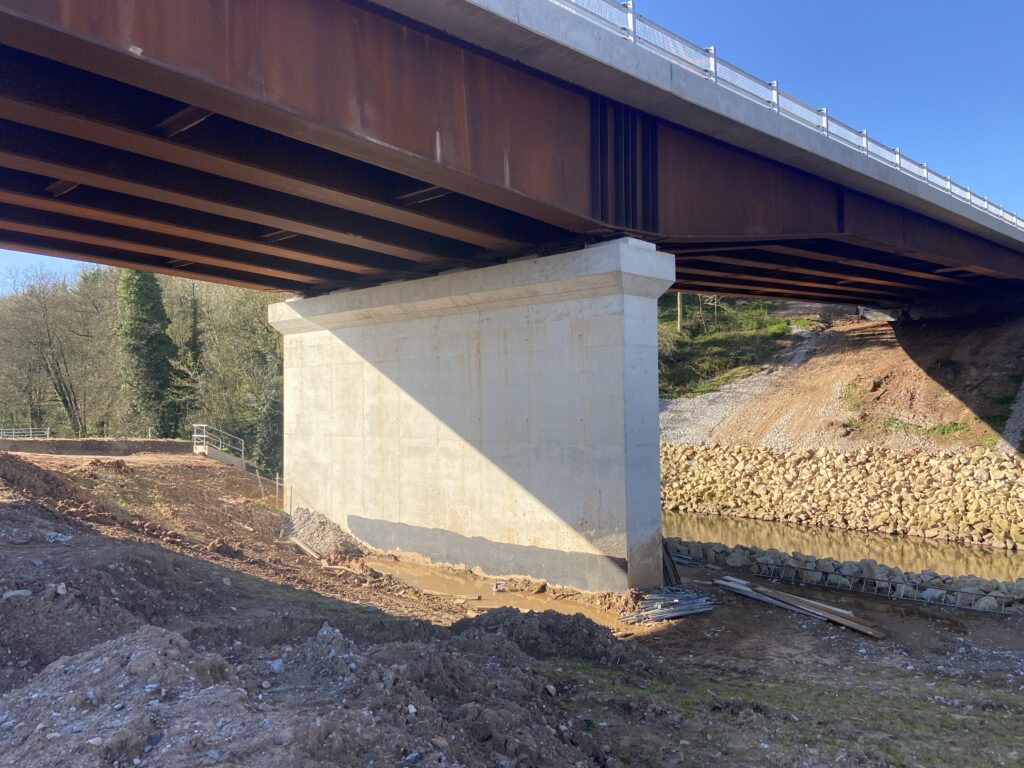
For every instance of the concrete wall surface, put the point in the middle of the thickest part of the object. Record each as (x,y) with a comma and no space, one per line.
(504,418)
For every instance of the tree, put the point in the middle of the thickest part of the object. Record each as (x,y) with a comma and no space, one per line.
(187,381)
(145,352)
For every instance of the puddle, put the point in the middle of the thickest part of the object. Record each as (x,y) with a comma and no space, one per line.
(909,554)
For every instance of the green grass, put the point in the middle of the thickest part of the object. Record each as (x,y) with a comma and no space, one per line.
(803,322)
(714,350)
(894,424)
(902,720)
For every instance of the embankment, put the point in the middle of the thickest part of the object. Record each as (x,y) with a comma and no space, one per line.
(974,497)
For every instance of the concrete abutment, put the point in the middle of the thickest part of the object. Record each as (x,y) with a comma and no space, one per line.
(504,418)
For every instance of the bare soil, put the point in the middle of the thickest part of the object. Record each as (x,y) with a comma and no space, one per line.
(167,625)
(928,385)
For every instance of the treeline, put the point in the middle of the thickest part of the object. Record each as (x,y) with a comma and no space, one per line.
(116,353)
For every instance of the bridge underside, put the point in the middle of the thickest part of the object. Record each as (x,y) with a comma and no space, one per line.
(350,147)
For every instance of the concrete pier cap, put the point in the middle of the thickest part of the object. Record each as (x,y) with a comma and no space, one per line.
(504,418)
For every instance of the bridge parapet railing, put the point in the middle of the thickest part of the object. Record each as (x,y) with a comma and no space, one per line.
(620,17)
(20,433)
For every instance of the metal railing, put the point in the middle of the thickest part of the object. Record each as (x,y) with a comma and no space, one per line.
(17,433)
(204,435)
(621,18)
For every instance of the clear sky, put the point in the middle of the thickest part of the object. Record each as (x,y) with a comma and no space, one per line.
(941,79)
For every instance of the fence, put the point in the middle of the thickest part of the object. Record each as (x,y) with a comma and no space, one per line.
(622,19)
(17,433)
(203,435)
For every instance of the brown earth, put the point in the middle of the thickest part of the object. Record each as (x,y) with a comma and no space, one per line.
(925,385)
(166,624)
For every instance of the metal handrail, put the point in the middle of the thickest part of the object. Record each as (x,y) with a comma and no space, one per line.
(621,17)
(16,433)
(204,435)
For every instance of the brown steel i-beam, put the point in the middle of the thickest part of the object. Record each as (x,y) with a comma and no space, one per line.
(17,241)
(853,262)
(49,154)
(768,264)
(783,281)
(32,222)
(169,220)
(736,289)
(759,292)
(281,164)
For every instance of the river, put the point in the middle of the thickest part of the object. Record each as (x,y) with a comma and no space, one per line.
(908,554)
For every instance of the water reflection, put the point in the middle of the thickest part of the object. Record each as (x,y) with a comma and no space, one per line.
(945,558)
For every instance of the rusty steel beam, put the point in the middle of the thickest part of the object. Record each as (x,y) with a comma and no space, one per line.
(57,98)
(50,154)
(69,249)
(884,226)
(729,289)
(123,210)
(783,292)
(762,260)
(785,280)
(847,261)
(33,222)
(346,78)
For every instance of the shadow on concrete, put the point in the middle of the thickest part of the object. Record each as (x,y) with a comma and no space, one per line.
(442,546)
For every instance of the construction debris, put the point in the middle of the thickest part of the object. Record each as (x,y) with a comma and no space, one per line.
(812,608)
(669,603)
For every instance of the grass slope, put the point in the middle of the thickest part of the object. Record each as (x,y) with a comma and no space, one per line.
(717,344)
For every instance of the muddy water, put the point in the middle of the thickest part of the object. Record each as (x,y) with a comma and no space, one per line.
(908,554)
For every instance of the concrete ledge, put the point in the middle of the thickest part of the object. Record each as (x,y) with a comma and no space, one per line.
(629,267)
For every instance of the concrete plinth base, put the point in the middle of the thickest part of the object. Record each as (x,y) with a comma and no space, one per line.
(504,418)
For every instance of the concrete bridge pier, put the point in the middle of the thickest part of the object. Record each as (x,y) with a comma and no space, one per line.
(504,418)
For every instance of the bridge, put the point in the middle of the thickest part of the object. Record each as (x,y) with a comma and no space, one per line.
(480,201)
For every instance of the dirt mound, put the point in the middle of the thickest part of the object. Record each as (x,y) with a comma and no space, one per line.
(322,535)
(73,589)
(549,634)
(928,386)
(58,491)
(151,696)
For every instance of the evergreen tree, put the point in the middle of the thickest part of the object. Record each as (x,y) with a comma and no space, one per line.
(145,352)
(187,383)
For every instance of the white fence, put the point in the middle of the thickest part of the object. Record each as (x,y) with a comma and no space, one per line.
(204,435)
(620,18)
(18,433)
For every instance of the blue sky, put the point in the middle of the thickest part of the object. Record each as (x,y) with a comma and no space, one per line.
(940,79)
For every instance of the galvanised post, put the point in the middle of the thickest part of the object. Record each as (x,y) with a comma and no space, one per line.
(712,64)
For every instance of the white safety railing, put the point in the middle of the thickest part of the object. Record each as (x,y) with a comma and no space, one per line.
(621,18)
(18,433)
(204,435)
